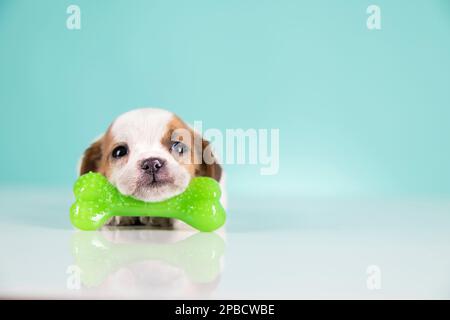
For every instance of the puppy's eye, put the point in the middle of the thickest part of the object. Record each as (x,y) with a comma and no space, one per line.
(119,152)
(179,147)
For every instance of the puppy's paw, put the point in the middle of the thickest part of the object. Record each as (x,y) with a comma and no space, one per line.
(122,221)
(165,223)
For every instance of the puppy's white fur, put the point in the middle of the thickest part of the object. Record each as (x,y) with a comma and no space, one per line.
(142,130)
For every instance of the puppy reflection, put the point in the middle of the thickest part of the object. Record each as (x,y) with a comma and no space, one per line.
(151,264)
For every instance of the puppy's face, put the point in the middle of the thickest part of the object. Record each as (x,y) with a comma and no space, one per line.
(149,154)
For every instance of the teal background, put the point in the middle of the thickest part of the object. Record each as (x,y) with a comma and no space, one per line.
(360,112)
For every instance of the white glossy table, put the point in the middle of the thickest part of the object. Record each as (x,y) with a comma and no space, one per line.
(311,248)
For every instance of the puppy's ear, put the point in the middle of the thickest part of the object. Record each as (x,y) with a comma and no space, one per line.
(92,157)
(209,166)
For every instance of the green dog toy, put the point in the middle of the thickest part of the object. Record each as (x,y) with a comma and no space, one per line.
(97,201)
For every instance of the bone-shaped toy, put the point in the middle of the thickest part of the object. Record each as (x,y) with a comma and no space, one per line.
(97,200)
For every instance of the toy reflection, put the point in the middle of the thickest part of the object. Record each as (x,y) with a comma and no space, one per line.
(148,263)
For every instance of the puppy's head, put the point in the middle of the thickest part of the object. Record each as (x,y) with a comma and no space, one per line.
(150,154)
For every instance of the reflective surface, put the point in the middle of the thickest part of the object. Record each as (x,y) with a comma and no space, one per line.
(317,248)
(98,255)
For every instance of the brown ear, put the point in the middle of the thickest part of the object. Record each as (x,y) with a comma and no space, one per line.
(92,157)
(209,167)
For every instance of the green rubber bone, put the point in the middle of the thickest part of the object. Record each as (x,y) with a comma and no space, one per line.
(97,201)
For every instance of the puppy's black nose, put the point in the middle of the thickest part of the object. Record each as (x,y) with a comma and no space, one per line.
(152,165)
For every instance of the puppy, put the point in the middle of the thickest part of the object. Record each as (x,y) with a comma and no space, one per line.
(151,155)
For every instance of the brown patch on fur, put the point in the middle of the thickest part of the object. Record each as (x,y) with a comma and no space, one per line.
(95,157)
(107,147)
(213,170)
(196,166)
(92,157)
